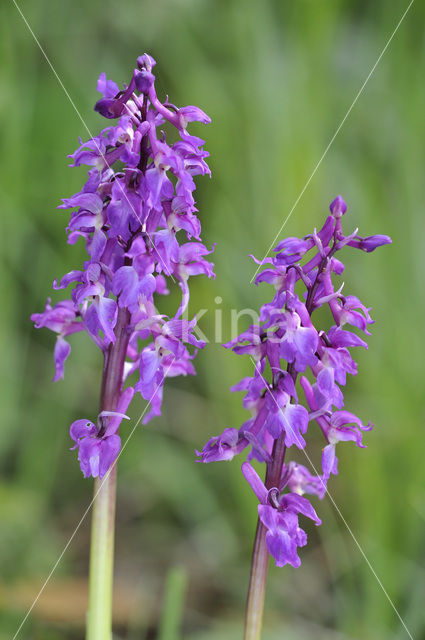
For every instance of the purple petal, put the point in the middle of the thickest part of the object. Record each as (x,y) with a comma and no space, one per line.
(269,516)
(144,80)
(370,243)
(192,114)
(242,385)
(117,416)
(146,62)
(326,232)
(149,364)
(293,245)
(97,245)
(107,311)
(341,338)
(62,351)
(300,505)
(340,418)
(295,422)
(338,207)
(223,447)
(254,480)
(288,350)
(282,548)
(107,88)
(275,424)
(306,340)
(125,285)
(88,456)
(328,460)
(325,382)
(148,285)
(109,450)
(88,201)
(72,276)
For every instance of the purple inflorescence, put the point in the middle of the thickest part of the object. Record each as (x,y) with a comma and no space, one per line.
(133,214)
(286,344)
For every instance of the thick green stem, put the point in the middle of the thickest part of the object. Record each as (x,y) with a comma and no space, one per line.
(260,554)
(99,617)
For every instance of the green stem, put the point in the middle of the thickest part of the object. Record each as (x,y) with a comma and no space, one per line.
(260,554)
(99,617)
(257,585)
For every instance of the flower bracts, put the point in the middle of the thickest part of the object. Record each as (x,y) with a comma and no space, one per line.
(133,214)
(292,356)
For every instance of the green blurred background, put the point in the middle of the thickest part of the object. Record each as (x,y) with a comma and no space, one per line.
(277,77)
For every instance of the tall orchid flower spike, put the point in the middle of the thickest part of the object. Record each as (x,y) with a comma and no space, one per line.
(137,217)
(302,358)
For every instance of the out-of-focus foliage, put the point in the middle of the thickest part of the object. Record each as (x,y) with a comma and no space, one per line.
(277,78)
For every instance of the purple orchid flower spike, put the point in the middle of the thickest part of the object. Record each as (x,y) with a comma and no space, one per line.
(133,220)
(137,217)
(287,343)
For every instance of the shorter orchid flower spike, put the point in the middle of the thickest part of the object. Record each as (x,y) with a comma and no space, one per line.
(302,358)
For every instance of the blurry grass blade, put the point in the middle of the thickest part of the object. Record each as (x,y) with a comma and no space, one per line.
(173,606)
